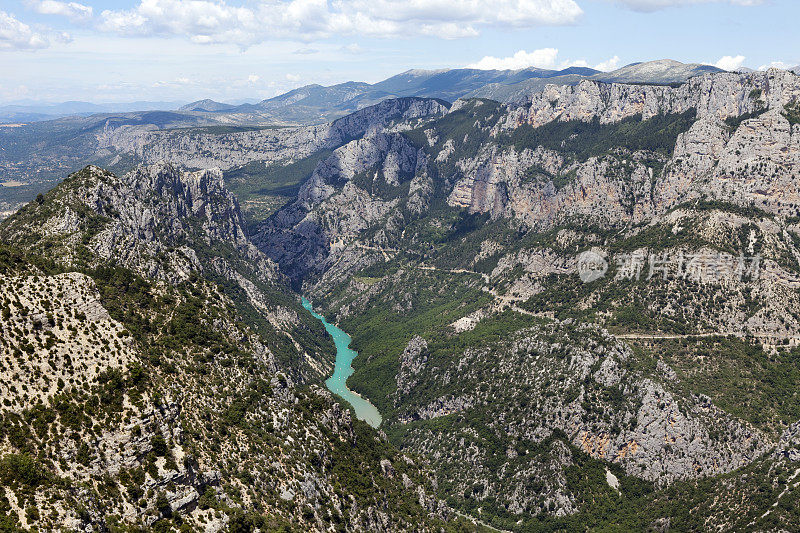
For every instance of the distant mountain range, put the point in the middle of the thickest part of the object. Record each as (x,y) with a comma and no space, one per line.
(662,72)
(207,106)
(316,104)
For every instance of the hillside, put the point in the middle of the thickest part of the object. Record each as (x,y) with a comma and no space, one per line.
(654,396)
(160,375)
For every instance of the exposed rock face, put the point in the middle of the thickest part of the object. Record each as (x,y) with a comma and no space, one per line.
(706,161)
(205,150)
(412,361)
(664,440)
(139,234)
(754,162)
(389,155)
(331,209)
(714,96)
(146,219)
(607,189)
(789,445)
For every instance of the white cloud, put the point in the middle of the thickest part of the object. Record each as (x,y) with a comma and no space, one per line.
(63,37)
(655,5)
(542,58)
(15,34)
(293,77)
(216,21)
(181,81)
(352,48)
(72,10)
(776,64)
(253,78)
(608,65)
(730,63)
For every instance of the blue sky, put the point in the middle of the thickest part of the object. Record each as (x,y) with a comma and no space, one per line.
(183,50)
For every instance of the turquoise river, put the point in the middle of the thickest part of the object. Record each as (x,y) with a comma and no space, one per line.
(337,383)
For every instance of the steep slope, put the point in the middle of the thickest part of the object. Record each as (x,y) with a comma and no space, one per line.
(160,375)
(652,393)
(264,167)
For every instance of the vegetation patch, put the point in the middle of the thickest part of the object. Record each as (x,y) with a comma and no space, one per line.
(589,139)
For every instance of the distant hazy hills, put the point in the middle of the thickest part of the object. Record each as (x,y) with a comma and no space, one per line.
(314,104)
(317,103)
(36,111)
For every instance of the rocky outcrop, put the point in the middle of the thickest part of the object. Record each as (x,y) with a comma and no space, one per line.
(196,149)
(341,199)
(754,163)
(789,444)
(151,220)
(508,184)
(713,96)
(553,389)
(412,361)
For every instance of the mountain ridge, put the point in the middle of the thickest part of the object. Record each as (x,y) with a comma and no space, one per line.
(177,386)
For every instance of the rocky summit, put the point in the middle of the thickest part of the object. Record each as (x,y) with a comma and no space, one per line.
(575,310)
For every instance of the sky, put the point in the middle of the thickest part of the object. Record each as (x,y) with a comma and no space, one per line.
(239,50)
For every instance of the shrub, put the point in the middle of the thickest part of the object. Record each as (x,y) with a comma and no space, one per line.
(159,445)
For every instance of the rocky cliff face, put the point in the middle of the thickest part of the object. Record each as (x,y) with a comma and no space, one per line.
(755,164)
(331,203)
(511,171)
(713,96)
(205,150)
(151,220)
(583,390)
(762,147)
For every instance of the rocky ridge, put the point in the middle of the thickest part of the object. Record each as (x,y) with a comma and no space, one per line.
(270,145)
